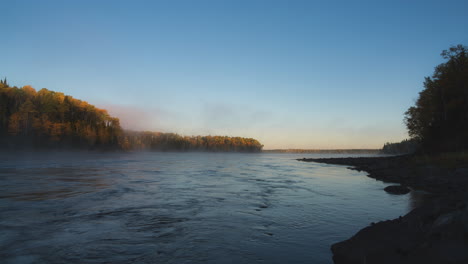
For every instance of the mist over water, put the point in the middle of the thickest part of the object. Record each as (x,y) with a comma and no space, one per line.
(182,207)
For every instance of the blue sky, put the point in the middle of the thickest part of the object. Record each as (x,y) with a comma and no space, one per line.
(293,74)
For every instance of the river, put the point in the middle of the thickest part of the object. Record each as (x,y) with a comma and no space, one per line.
(182,207)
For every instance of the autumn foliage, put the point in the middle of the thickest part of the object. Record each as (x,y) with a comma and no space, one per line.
(48,119)
(147,140)
(51,119)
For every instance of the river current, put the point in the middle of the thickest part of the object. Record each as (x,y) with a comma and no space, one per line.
(182,207)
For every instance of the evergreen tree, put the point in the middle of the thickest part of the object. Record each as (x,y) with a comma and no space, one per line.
(439,118)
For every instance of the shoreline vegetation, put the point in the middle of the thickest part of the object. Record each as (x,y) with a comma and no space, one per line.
(48,120)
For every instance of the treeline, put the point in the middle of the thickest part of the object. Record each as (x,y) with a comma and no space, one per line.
(324,151)
(46,119)
(439,119)
(173,142)
(406,146)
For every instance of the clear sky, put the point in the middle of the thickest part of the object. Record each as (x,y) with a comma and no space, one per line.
(292,74)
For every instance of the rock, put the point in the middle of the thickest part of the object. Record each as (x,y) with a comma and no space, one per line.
(436,231)
(397,189)
(425,235)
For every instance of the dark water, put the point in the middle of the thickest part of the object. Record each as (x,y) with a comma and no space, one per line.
(182,208)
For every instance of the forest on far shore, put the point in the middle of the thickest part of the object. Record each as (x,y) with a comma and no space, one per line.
(45,119)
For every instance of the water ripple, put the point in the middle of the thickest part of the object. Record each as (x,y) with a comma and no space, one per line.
(181,208)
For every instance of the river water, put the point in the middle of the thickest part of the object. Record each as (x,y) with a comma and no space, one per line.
(182,207)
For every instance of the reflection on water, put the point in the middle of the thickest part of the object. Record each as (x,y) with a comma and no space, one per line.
(182,208)
(49,183)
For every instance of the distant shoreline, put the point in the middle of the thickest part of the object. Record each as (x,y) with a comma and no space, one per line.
(325,151)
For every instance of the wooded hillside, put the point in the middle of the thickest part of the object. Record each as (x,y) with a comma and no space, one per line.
(46,119)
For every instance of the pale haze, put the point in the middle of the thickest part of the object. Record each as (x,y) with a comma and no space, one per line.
(292,74)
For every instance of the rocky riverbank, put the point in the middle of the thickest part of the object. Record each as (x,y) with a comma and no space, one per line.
(436,232)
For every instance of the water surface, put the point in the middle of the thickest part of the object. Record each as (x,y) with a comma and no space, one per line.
(182,207)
